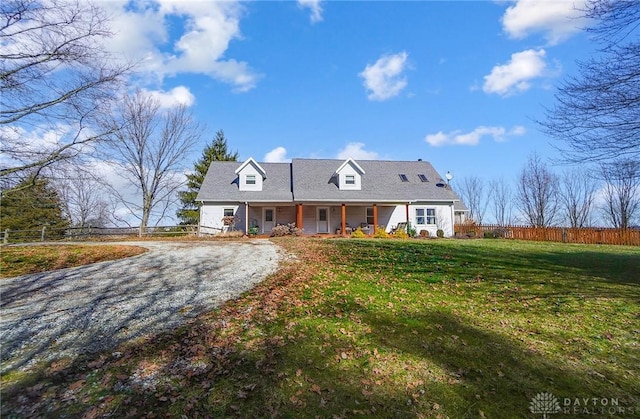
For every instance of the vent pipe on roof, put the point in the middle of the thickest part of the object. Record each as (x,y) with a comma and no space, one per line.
(419,159)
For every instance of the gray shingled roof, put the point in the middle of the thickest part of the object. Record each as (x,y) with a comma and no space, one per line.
(220,184)
(381,181)
(314,181)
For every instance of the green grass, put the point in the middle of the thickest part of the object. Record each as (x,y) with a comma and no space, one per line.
(380,328)
(18,260)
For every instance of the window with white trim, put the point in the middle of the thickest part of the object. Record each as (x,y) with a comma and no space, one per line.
(228,212)
(350,180)
(250,180)
(425,216)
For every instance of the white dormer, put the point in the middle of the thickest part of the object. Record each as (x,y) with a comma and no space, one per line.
(350,175)
(250,175)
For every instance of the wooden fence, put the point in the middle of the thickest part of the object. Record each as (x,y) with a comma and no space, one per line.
(76,233)
(588,235)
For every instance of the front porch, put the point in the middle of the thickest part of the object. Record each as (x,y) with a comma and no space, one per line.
(332,219)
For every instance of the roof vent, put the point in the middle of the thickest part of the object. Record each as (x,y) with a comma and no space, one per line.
(441,183)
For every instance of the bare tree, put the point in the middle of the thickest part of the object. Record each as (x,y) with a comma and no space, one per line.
(474,197)
(597,113)
(148,148)
(55,77)
(501,201)
(537,193)
(621,192)
(84,198)
(577,195)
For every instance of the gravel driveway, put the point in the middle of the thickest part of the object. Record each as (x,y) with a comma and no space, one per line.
(96,307)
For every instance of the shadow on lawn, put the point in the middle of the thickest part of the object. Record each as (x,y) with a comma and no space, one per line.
(492,372)
(447,368)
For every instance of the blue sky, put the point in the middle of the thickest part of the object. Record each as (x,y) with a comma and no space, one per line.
(457,83)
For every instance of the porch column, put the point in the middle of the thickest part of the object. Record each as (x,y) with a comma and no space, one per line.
(407,212)
(246,218)
(375,217)
(299,216)
(343,224)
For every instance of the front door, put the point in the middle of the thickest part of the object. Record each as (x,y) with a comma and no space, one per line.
(323,220)
(268,219)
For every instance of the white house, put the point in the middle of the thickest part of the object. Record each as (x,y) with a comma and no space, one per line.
(328,196)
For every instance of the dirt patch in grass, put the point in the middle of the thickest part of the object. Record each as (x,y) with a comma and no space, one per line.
(21,260)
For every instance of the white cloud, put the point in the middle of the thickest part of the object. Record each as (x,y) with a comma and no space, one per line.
(356,151)
(385,79)
(179,95)
(515,76)
(315,8)
(277,155)
(557,19)
(498,134)
(204,30)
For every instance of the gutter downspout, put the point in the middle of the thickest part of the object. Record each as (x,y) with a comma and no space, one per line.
(409,224)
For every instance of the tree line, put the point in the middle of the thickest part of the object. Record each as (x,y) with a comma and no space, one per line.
(76,139)
(539,197)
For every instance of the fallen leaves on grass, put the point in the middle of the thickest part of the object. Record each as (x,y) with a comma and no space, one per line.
(21,260)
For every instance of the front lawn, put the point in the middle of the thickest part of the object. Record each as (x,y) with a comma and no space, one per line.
(18,260)
(382,328)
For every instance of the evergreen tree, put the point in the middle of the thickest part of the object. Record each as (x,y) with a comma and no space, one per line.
(216,151)
(32,205)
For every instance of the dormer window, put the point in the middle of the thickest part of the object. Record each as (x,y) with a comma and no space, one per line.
(349,176)
(251,176)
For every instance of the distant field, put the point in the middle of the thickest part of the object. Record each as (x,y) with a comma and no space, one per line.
(382,328)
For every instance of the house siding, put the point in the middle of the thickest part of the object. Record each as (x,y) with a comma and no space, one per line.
(443,218)
(211,217)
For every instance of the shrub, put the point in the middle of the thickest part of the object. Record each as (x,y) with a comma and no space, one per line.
(286,230)
(411,230)
(230,221)
(400,234)
(358,234)
(380,232)
(440,233)
(253,230)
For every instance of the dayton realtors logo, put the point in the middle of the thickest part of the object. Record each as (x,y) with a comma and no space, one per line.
(547,404)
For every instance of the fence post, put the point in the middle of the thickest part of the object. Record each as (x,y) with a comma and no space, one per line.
(564,235)
(42,234)
(5,239)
